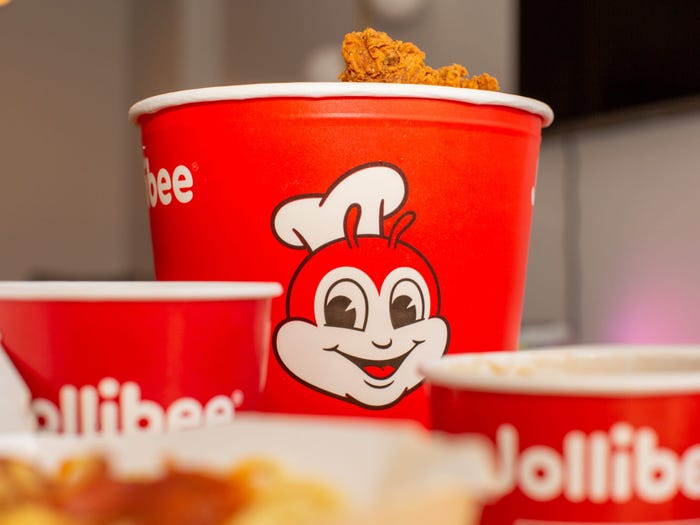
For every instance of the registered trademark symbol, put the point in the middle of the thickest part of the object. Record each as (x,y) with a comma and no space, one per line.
(237,398)
(195,166)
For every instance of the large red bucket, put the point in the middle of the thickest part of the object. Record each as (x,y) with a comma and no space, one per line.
(396,216)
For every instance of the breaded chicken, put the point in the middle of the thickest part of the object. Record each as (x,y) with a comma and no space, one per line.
(373,56)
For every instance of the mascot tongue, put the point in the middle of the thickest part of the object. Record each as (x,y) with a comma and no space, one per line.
(380,372)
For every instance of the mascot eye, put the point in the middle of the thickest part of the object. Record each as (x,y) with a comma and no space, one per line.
(407,304)
(346,305)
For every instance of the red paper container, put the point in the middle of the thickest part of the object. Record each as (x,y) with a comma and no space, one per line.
(397,218)
(582,434)
(109,357)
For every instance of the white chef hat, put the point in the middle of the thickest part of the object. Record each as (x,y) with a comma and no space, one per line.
(311,221)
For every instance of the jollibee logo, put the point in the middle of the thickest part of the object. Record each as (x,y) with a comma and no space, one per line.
(164,188)
(362,309)
(603,466)
(113,407)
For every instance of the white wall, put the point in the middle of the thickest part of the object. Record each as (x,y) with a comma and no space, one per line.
(615,248)
(546,283)
(63,138)
(640,226)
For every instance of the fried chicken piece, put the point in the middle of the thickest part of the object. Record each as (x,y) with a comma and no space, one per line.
(373,56)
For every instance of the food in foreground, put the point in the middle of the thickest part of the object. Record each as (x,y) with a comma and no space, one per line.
(373,56)
(84,492)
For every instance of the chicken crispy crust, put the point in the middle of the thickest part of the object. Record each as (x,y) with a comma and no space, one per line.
(373,56)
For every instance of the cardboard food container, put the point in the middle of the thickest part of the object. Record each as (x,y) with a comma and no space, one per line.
(396,216)
(583,434)
(383,473)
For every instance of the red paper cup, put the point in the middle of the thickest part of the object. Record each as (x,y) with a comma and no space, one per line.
(396,216)
(602,434)
(110,357)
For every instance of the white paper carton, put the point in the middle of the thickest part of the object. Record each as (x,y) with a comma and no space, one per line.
(15,398)
(386,472)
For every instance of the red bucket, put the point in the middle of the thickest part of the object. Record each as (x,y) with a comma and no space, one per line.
(397,218)
(113,357)
(602,434)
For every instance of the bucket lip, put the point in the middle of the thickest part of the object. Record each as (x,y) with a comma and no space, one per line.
(137,291)
(490,372)
(339,89)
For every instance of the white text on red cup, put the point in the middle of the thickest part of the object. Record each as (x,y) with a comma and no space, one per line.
(165,188)
(599,467)
(113,407)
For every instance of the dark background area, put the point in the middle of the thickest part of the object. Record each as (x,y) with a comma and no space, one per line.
(593,57)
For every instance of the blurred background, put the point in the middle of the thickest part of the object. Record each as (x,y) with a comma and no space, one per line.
(615,249)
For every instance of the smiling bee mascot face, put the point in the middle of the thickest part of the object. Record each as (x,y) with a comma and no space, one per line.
(362,308)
